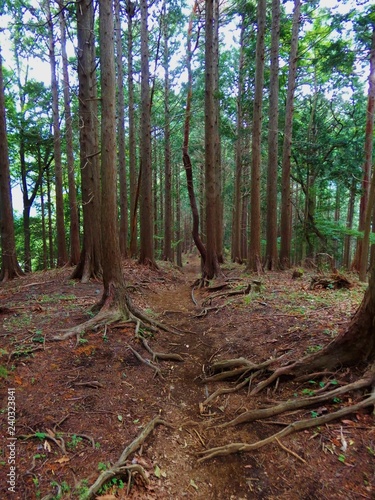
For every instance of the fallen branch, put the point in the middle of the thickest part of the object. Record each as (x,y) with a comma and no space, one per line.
(120,466)
(291,428)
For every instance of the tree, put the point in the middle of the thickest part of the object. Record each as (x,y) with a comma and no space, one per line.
(9,265)
(73,206)
(273,139)
(237,210)
(114,294)
(254,256)
(211,267)
(130,11)
(62,256)
(123,197)
(285,221)
(369,139)
(167,248)
(90,263)
(146,207)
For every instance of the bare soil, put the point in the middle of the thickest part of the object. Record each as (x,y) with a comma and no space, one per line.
(80,404)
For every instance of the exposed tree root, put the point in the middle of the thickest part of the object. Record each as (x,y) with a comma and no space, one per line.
(291,428)
(161,355)
(120,467)
(146,362)
(231,293)
(235,368)
(250,416)
(115,315)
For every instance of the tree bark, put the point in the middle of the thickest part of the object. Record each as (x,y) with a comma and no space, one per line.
(123,196)
(114,294)
(271,260)
(146,206)
(369,139)
(73,207)
(167,249)
(285,222)
(90,263)
(254,254)
(62,255)
(237,210)
(9,265)
(211,267)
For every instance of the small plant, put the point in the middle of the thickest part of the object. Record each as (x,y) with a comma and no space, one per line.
(314,414)
(313,348)
(102,466)
(74,442)
(308,392)
(82,489)
(342,458)
(3,372)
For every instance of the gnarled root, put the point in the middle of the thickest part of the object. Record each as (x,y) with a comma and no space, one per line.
(294,427)
(120,467)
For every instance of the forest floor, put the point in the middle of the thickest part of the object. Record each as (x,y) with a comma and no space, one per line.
(79,405)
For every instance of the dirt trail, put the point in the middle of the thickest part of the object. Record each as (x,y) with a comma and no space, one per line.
(96,397)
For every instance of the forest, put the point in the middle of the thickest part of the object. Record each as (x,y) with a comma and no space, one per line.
(187,200)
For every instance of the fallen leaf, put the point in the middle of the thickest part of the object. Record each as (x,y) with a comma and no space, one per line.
(192,483)
(106,497)
(62,460)
(157,471)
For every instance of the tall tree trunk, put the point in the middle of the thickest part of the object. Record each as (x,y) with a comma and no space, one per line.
(73,207)
(123,226)
(185,148)
(211,265)
(271,261)
(237,210)
(146,207)
(167,250)
(130,10)
(62,255)
(254,257)
(9,265)
(218,159)
(114,294)
(90,263)
(369,139)
(285,222)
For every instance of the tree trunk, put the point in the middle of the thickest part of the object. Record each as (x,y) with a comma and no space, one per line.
(185,148)
(130,10)
(73,207)
(146,206)
(90,263)
(254,255)
(62,256)
(123,202)
(271,261)
(211,267)
(167,250)
(237,210)
(369,139)
(285,222)
(9,265)
(114,294)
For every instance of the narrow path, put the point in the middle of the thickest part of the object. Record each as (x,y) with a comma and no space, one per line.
(222,478)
